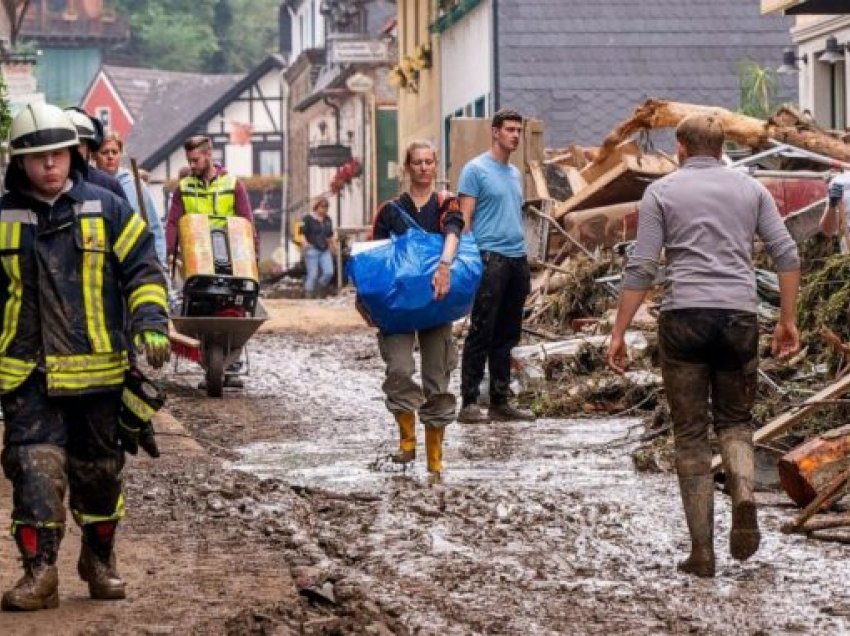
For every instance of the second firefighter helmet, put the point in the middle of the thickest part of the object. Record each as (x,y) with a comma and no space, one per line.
(89,129)
(41,128)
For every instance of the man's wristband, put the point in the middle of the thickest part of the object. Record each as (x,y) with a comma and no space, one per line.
(446,263)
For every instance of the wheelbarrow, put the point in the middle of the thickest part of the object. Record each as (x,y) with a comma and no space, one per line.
(221,340)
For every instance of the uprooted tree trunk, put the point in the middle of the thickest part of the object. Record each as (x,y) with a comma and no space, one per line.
(786,126)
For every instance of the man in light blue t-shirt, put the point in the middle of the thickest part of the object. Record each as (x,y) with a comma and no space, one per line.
(490,193)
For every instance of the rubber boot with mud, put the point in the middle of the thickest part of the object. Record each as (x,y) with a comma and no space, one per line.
(736,448)
(39,587)
(434,448)
(97,561)
(697,487)
(407,438)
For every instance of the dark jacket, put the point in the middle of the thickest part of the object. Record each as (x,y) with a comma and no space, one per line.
(317,232)
(78,279)
(440,215)
(106,181)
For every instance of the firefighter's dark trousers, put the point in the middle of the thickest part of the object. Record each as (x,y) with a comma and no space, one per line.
(709,362)
(49,442)
(495,326)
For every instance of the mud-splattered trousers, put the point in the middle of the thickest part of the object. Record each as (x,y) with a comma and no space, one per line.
(53,442)
(78,279)
(495,326)
(436,405)
(709,359)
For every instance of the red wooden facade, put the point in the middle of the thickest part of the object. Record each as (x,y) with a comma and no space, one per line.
(103,102)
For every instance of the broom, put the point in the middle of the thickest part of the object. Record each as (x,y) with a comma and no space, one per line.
(184,346)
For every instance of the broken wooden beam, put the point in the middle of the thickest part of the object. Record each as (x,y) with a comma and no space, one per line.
(786,126)
(784,422)
(802,469)
(821,501)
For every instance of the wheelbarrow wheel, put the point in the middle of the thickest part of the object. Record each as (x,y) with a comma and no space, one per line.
(215,370)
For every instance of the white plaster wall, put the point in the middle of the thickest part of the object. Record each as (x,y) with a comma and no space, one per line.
(315,36)
(466,52)
(815,76)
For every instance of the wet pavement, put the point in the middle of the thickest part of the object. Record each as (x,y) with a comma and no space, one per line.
(537,528)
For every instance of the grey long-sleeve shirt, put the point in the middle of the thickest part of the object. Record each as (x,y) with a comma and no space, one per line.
(705,217)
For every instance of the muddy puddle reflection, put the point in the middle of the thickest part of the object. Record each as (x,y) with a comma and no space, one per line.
(537,528)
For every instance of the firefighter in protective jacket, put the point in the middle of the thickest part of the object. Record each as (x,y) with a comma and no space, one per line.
(75,262)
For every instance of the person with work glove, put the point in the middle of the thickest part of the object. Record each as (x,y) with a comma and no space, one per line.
(838,192)
(155,346)
(68,244)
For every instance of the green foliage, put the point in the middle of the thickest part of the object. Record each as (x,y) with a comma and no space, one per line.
(215,36)
(5,111)
(757,86)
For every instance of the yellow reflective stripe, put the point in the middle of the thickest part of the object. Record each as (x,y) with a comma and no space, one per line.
(94,233)
(86,362)
(74,382)
(150,293)
(120,510)
(13,373)
(50,525)
(139,407)
(129,237)
(10,238)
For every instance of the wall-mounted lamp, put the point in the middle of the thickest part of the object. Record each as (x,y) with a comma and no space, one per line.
(789,62)
(834,51)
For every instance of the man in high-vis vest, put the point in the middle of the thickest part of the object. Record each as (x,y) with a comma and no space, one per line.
(75,260)
(209,190)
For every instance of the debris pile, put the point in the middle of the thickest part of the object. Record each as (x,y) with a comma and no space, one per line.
(580,220)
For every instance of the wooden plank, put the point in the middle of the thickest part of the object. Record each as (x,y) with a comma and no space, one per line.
(626,181)
(579,160)
(603,226)
(784,422)
(594,170)
(577,182)
(541,190)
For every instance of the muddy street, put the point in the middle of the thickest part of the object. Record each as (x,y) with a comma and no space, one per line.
(540,528)
(537,528)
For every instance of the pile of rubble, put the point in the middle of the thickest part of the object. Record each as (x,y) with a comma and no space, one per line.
(581,218)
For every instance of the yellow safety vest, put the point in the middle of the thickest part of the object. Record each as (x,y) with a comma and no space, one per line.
(216,199)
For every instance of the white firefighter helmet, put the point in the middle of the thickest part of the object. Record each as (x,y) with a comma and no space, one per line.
(40,128)
(87,130)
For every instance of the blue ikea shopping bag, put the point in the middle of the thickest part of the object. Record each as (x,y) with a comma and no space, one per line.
(393,280)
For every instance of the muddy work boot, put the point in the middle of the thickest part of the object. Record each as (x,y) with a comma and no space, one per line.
(698,501)
(504,412)
(736,448)
(407,438)
(434,448)
(39,587)
(97,561)
(472,414)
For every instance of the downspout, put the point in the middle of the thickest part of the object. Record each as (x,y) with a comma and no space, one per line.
(335,109)
(284,186)
(497,100)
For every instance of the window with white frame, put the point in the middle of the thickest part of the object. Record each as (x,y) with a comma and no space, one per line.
(838,95)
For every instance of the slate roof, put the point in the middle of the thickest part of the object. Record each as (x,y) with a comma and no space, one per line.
(167,105)
(583,65)
(134,84)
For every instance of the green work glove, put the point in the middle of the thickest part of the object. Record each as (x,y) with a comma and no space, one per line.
(156,346)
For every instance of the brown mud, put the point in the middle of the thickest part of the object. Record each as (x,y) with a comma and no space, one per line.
(543,528)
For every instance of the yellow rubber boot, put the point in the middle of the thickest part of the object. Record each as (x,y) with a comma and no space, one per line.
(434,448)
(407,438)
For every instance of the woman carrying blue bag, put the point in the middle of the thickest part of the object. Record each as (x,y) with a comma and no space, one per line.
(436,213)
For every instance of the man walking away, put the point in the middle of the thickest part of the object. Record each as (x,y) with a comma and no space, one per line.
(490,192)
(705,217)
